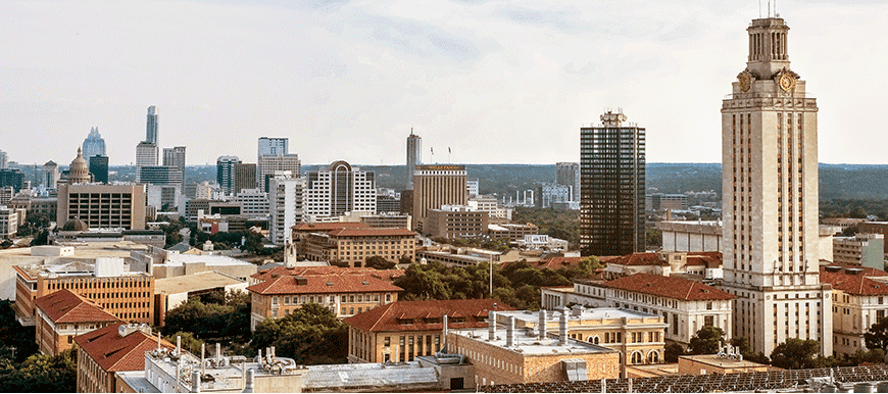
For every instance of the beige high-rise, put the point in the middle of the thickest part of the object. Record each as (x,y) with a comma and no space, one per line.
(434,186)
(770,199)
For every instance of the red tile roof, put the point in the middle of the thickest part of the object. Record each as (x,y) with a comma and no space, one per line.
(115,353)
(372,232)
(323,227)
(426,315)
(709,259)
(324,284)
(65,306)
(326,270)
(856,284)
(645,258)
(669,287)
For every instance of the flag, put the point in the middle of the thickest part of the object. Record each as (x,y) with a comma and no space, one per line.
(433,150)
(448,150)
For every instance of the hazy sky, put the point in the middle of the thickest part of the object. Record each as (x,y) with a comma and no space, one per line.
(496,81)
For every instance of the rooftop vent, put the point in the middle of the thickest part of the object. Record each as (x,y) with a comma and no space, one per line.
(365,283)
(300,281)
(329,284)
(853,271)
(832,268)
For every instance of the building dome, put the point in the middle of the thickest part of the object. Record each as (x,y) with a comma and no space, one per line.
(75,225)
(79,172)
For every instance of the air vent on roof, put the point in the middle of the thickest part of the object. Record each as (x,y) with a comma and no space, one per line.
(301,281)
(365,283)
(832,268)
(853,271)
(330,284)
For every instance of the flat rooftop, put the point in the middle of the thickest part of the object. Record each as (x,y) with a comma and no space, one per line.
(585,314)
(722,362)
(206,280)
(528,343)
(175,259)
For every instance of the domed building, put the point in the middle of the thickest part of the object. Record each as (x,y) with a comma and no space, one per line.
(79,171)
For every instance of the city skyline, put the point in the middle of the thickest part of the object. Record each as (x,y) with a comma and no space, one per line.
(466,76)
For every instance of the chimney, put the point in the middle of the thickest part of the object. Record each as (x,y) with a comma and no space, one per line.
(178,345)
(510,332)
(219,353)
(203,353)
(444,342)
(542,324)
(563,327)
(248,386)
(195,382)
(491,326)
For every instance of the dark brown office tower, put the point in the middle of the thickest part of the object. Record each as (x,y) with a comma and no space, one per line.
(244,177)
(612,168)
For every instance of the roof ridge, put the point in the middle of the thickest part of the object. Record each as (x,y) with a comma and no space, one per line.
(385,312)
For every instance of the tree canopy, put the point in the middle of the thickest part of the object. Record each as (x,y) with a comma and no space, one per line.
(310,335)
(229,319)
(795,354)
(40,373)
(706,340)
(876,337)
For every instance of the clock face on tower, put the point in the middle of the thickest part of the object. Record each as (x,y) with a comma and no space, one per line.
(745,82)
(787,82)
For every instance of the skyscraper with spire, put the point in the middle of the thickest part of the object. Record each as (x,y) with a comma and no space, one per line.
(151,129)
(414,156)
(93,145)
(770,199)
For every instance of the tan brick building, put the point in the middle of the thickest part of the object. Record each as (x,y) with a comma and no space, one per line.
(434,186)
(127,295)
(352,243)
(451,221)
(102,206)
(504,355)
(345,293)
(402,330)
(63,315)
(115,348)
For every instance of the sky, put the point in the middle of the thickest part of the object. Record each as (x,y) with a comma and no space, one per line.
(492,81)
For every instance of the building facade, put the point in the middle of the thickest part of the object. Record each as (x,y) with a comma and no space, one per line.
(285,206)
(339,189)
(93,145)
(612,166)
(353,246)
(175,157)
(770,199)
(434,186)
(151,127)
(269,165)
(63,315)
(568,174)
(225,172)
(862,249)
(146,156)
(414,156)
(244,177)
(103,206)
(273,146)
(860,299)
(98,167)
(452,222)
(103,353)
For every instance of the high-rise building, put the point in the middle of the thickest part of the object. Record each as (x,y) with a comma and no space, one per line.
(612,164)
(93,145)
(414,156)
(102,206)
(151,129)
(244,177)
(284,205)
(273,146)
(270,164)
(434,186)
(50,174)
(98,167)
(770,199)
(225,172)
(146,156)
(569,175)
(174,157)
(161,175)
(3,159)
(339,189)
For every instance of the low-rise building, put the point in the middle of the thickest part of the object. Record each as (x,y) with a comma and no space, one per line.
(703,265)
(875,228)
(403,330)
(353,243)
(865,250)
(460,256)
(456,221)
(686,305)
(104,353)
(860,299)
(9,220)
(174,291)
(388,220)
(638,335)
(696,236)
(726,362)
(507,355)
(513,232)
(178,264)
(128,295)
(63,315)
(343,293)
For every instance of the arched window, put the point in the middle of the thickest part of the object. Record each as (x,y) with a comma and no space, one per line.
(594,339)
(653,357)
(637,358)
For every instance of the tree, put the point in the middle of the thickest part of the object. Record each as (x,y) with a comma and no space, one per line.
(212,320)
(189,342)
(672,351)
(795,354)
(743,344)
(876,337)
(40,373)
(706,340)
(13,335)
(379,262)
(405,260)
(310,335)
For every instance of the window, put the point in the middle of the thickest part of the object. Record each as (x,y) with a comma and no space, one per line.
(387,341)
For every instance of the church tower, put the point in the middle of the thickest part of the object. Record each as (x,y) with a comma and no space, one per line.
(770,199)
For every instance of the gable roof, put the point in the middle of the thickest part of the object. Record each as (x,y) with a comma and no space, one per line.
(669,287)
(66,306)
(326,270)
(116,353)
(426,315)
(323,284)
(856,282)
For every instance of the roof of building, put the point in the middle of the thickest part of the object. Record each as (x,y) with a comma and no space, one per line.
(855,281)
(325,270)
(371,232)
(426,315)
(66,306)
(118,353)
(645,258)
(709,259)
(195,282)
(324,284)
(312,227)
(529,344)
(669,287)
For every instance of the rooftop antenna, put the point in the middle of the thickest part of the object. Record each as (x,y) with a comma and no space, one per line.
(769,8)
(760,8)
